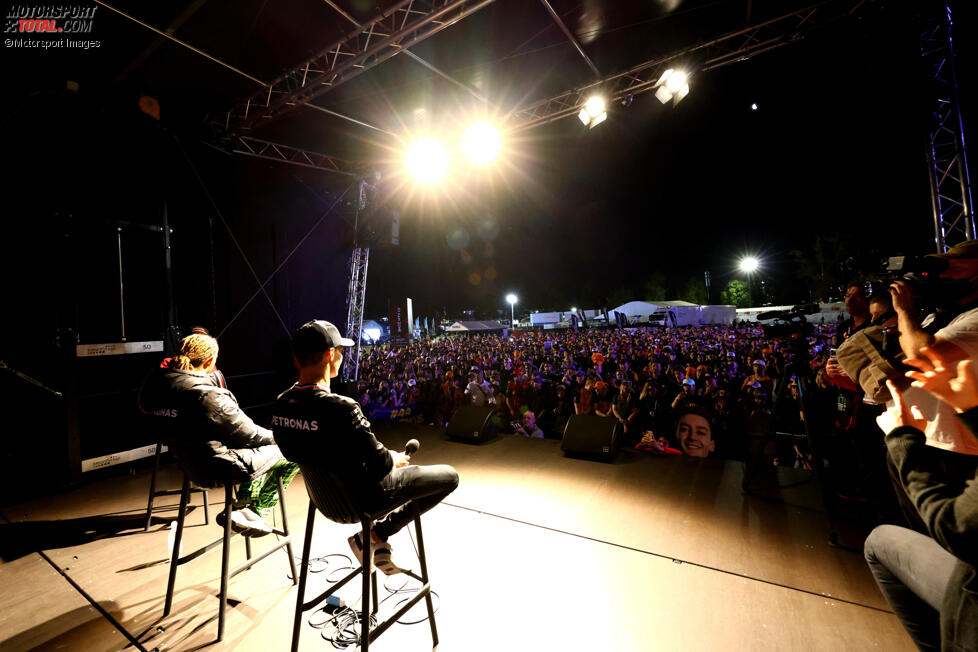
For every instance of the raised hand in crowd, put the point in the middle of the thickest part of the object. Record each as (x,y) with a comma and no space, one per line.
(956,385)
(903,414)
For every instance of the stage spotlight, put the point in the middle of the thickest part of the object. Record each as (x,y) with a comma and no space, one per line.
(427,160)
(673,85)
(753,107)
(594,112)
(481,142)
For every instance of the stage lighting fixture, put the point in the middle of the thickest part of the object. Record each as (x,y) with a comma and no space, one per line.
(481,142)
(427,160)
(594,112)
(753,107)
(673,86)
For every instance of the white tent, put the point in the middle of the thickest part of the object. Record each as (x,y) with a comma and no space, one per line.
(475,327)
(719,314)
(371,330)
(687,314)
(636,309)
(828,312)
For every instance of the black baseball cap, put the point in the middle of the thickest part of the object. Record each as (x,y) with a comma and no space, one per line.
(317,336)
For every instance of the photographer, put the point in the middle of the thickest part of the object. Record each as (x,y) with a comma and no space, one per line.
(930,582)
(958,340)
(859,317)
(528,427)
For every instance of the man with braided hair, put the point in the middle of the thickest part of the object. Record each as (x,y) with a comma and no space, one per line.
(211,436)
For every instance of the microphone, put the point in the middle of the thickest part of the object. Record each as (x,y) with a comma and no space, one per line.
(411,447)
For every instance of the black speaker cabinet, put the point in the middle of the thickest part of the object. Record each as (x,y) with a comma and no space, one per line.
(588,435)
(472,424)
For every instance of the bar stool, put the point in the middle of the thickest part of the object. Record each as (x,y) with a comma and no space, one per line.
(328,495)
(153,493)
(226,574)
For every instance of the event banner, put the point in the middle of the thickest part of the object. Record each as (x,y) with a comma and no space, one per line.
(409,412)
(400,322)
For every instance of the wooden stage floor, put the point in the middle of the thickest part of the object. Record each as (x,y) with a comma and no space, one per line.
(533,551)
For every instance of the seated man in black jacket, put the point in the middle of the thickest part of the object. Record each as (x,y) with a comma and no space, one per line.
(931,581)
(214,440)
(318,428)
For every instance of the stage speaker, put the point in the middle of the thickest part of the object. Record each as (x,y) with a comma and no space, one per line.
(588,435)
(472,424)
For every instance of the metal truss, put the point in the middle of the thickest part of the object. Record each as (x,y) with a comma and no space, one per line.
(292,155)
(403,25)
(727,49)
(950,185)
(355,298)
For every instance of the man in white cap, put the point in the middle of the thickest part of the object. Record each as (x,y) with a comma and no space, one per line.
(315,427)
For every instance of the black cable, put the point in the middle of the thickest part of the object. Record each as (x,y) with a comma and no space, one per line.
(343,626)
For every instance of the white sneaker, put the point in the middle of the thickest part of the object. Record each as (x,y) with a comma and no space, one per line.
(246,522)
(382,554)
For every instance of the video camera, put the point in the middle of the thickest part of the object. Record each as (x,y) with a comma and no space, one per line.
(922,274)
(915,269)
(790,322)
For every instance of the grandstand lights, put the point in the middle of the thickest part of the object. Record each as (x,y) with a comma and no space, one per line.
(481,142)
(594,112)
(673,86)
(426,160)
(511,299)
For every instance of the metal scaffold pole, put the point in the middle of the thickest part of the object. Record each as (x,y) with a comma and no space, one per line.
(946,156)
(356,294)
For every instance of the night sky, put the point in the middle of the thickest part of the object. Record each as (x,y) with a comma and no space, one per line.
(835,151)
(835,148)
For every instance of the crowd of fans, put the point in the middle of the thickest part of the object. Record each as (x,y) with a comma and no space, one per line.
(645,378)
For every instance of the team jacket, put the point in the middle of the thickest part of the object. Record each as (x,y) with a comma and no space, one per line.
(313,426)
(202,423)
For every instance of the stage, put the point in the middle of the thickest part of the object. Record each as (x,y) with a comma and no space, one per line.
(533,551)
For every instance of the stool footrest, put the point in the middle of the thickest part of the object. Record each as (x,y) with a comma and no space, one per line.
(382,627)
(306,606)
(254,560)
(190,556)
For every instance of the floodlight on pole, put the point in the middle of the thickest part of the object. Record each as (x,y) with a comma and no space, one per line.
(511,299)
(426,160)
(749,264)
(673,86)
(594,112)
(481,142)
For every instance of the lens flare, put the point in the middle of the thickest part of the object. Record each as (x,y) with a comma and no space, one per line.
(427,161)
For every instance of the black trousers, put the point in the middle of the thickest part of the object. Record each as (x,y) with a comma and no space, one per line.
(425,486)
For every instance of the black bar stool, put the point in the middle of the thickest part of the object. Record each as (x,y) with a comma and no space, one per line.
(226,573)
(153,493)
(328,495)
